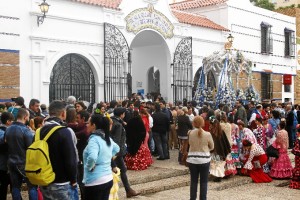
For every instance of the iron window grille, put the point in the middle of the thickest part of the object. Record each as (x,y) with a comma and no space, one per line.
(289,44)
(266,38)
(266,86)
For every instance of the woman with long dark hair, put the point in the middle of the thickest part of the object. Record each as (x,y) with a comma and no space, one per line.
(221,149)
(97,157)
(138,156)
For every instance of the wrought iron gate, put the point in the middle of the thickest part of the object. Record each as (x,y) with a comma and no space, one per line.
(182,70)
(117,65)
(72,75)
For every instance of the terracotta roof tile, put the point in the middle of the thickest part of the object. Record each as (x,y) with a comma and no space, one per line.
(113,4)
(197,20)
(190,4)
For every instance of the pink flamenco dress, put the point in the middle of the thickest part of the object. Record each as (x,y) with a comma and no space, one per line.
(295,182)
(281,166)
(142,158)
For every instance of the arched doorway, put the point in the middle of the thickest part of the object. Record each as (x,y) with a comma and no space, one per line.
(153,80)
(209,80)
(149,49)
(72,75)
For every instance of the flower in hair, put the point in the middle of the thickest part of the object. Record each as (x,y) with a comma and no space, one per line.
(212,119)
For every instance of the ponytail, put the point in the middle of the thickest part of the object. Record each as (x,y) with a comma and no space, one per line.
(103,123)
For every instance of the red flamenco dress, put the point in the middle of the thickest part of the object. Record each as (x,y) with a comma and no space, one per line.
(295,182)
(254,163)
(281,167)
(138,156)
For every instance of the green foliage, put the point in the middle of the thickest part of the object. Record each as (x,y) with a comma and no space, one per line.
(266,4)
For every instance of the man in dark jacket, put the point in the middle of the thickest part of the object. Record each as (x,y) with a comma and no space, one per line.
(161,124)
(19,138)
(6,120)
(118,134)
(62,152)
(289,124)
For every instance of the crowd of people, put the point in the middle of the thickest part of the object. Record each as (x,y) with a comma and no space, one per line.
(96,139)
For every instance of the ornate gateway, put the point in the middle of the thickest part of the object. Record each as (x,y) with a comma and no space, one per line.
(117,65)
(72,75)
(182,70)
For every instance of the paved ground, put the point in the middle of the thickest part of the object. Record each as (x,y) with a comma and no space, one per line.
(236,188)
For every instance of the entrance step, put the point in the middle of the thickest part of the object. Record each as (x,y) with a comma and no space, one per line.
(147,188)
(153,174)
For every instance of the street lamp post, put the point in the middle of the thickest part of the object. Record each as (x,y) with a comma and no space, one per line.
(44,7)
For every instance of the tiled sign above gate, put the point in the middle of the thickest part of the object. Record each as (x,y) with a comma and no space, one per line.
(144,18)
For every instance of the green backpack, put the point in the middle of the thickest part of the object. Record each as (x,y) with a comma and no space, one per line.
(38,167)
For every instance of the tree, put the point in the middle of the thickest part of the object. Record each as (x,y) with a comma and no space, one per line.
(266,4)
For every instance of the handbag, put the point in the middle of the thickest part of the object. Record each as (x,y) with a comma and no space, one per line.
(272,152)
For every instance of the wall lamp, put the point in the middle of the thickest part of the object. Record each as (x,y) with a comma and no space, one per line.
(230,38)
(44,9)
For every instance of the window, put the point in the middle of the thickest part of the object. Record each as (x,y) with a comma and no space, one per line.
(287,88)
(265,86)
(289,44)
(266,38)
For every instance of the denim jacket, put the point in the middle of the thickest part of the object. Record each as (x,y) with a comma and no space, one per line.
(18,138)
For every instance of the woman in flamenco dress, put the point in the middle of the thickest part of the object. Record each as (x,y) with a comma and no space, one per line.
(254,163)
(295,182)
(281,167)
(138,156)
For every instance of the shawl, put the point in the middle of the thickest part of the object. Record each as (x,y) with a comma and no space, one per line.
(221,144)
(135,134)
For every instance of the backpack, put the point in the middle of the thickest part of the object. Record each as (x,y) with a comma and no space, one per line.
(38,167)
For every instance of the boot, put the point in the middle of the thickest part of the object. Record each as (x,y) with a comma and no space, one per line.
(131,193)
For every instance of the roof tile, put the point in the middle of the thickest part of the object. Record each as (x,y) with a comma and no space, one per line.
(112,4)
(197,20)
(190,4)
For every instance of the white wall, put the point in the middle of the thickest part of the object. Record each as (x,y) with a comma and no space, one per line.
(72,27)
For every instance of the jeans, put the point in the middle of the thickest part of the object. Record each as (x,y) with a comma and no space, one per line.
(56,192)
(73,193)
(79,180)
(98,192)
(161,142)
(17,175)
(4,182)
(121,165)
(151,142)
(195,171)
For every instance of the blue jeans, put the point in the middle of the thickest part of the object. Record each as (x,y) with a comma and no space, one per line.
(161,142)
(98,192)
(195,171)
(151,142)
(73,193)
(17,175)
(56,192)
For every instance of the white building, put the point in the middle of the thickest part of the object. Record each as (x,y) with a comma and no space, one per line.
(94,49)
